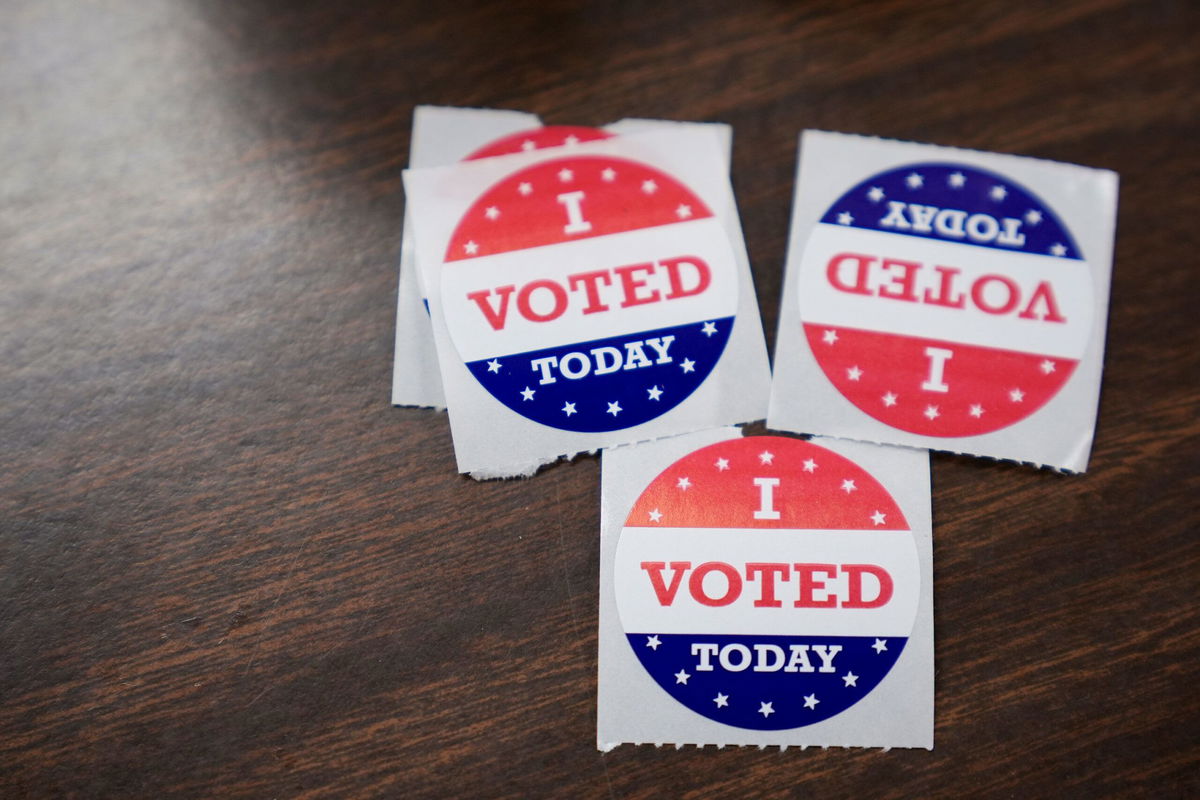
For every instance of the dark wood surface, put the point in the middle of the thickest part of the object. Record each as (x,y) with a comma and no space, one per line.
(229,569)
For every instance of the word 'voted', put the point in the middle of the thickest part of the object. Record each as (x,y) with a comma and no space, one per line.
(911,281)
(810,581)
(547,299)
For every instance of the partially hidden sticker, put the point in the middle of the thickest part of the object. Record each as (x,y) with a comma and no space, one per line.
(537,139)
(589,292)
(766,583)
(944,299)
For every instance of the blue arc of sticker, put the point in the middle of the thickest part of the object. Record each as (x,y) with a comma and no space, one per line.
(613,401)
(739,698)
(972,192)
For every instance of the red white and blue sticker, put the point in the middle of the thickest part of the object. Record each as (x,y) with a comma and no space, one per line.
(766,583)
(944,299)
(588,293)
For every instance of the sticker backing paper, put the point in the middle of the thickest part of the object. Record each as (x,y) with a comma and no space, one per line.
(765,591)
(587,295)
(945,298)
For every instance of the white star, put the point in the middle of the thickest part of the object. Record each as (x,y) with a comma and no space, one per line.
(878,517)
(608,174)
(525,189)
(880,645)
(956,180)
(766,457)
(845,218)
(614,408)
(765,709)
(1033,216)
(492,212)
(1016,395)
(875,195)
(494,366)
(721,700)
(653,642)
(851,679)
(682,677)
(683,483)
(722,464)
(709,328)
(684,211)
(649,187)
(1046,366)
(830,337)
(688,365)
(655,515)
(527,393)
(565,175)
(570,140)
(568,408)
(810,465)
(1058,249)
(914,180)
(528,145)
(471,248)
(998,193)
(854,373)
(654,392)
(848,485)
(976,410)
(931,412)
(810,701)
(889,399)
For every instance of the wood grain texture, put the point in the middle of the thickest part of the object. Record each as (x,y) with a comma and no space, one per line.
(228,568)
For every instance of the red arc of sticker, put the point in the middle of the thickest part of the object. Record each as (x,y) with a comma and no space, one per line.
(592,195)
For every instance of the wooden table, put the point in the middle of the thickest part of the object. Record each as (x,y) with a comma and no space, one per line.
(228,568)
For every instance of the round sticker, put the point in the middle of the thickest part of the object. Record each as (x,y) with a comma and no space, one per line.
(589,293)
(766,583)
(945,300)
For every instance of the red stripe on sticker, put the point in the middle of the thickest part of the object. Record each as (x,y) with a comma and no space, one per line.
(766,482)
(933,387)
(571,198)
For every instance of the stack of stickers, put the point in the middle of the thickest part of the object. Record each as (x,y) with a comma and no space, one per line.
(567,290)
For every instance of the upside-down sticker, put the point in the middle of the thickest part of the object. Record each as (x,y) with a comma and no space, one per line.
(945,298)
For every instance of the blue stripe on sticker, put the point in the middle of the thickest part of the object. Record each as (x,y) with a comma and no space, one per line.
(954,203)
(766,682)
(607,384)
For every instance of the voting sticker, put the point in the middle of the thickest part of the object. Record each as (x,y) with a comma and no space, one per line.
(591,289)
(949,296)
(770,584)
(587,348)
